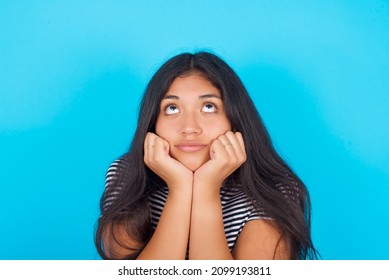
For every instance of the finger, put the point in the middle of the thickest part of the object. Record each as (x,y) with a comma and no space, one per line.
(242,146)
(217,150)
(232,139)
(237,145)
(149,146)
(230,143)
(160,149)
(149,140)
(239,138)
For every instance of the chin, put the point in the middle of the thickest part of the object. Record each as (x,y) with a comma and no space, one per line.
(193,168)
(193,165)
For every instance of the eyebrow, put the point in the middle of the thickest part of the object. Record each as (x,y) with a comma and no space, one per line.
(204,96)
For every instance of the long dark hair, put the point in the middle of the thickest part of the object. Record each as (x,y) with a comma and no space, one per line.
(265,178)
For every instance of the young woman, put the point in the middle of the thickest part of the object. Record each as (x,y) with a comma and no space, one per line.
(201,179)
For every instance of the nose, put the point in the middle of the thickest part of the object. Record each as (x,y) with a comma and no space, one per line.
(190,125)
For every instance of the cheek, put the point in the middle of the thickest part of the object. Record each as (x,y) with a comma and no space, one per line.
(162,129)
(218,128)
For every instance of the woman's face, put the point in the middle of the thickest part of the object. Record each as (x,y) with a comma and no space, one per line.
(191,117)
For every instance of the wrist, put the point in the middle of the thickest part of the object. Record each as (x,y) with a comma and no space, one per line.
(181,188)
(183,182)
(206,190)
(207,180)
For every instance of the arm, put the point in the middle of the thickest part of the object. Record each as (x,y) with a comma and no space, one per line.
(170,239)
(260,240)
(117,244)
(207,236)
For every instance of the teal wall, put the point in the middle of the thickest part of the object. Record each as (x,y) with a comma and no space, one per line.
(72,74)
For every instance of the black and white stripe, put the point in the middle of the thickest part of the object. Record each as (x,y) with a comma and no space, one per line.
(236,206)
(111,192)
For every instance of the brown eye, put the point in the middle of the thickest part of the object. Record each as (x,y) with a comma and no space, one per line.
(209,108)
(171,109)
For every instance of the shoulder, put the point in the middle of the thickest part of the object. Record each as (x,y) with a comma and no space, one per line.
(157,200)
(118,169)
(113,190)
(238,209)
(113,170)
(261,239)
(118,165)
(235,200)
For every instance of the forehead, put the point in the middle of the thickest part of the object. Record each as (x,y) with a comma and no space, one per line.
(193,84)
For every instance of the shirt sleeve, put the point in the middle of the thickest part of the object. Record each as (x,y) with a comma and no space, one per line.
(112,190)
(256,214)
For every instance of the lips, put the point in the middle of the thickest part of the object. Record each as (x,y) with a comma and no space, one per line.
(190,147)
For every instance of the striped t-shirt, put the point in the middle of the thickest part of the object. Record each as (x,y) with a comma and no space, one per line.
(236,206)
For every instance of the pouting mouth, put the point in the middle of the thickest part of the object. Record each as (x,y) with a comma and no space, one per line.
(190,147)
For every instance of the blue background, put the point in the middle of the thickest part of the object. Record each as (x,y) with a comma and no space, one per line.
(72,74)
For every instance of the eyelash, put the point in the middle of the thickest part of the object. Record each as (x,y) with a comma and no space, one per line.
(213,104)
(165,107)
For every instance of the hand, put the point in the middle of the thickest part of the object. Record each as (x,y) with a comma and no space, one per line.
(157,158)
(227,153)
